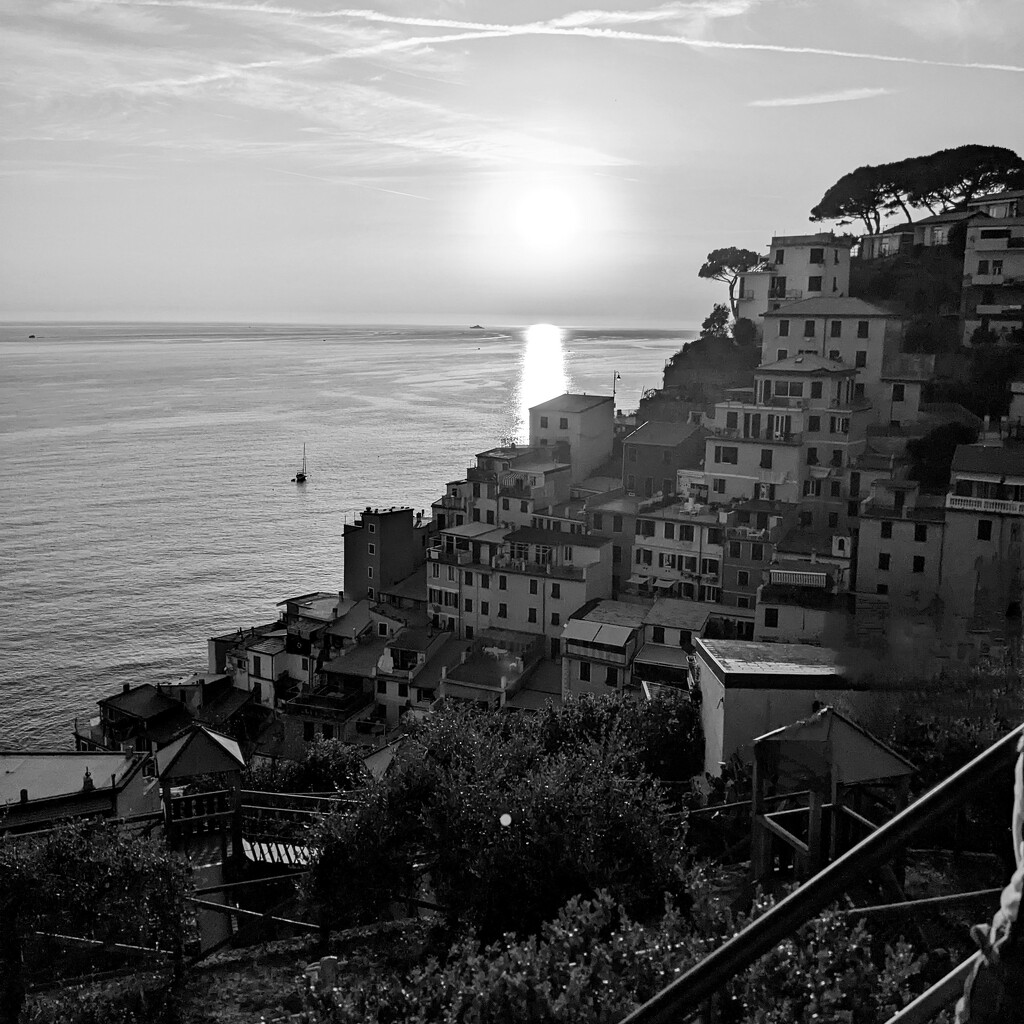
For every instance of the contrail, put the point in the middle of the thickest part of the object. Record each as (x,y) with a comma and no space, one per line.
(470,29)
(348,181)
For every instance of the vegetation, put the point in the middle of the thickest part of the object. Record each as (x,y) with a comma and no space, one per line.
(980,379)
(932,455)
(95,881)
(593,963)
(514,815)
(727,265)
(326,766)
(937,182)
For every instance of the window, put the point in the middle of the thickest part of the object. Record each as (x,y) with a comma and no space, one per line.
(812,456)
(524,507)
(781,354)
(862,328)
(543,421)
(616,524)
(815,389)
(503,583)
(742,602)
(305,663)
(757,552)
(783,331)
(435,570)
(382,686)
(485,581)
(732,420)
(796,389)
(476,515)
(468,604)
(766,458)
(858,391)
(734,549)
(743,578)
(505,504)
(836,489)
(809,326)
(861,358)
(631,453)
(584,671)
(886,531)
(835,329)
(718,486)
(327,731)
(556,591)
(308,731)
(563,424)
(616,555)
(883,561)
(709,566)
(833,520)
(780,255)
(502,611)
(921,533)
(485,608)
(469,579)
(918,563)
(369,572)
(373,528)
(714,535)
(630,482)
(817,257)
(982,266)
(771,618)
(882,588)
(727,454)
(531,615)
(658,634)
(814,284)
(984,529)
(451,573)
(533,586)
(611,676)
(813,424)
(598,521)
(670,531)
(382,627)
(899,392)
(997,267)
(371,549)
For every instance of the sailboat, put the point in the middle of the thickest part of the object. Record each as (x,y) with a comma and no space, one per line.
(300,476)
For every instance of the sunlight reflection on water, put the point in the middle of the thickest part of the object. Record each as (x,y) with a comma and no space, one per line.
(542,373)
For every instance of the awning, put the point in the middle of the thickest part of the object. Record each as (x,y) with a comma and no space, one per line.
(581,630)
(661,654)
(664,584)
(638,580)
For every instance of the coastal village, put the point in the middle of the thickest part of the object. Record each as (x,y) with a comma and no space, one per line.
(752,541)
(765,553)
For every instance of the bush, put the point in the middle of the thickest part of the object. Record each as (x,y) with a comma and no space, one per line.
(326,765)
(512,816)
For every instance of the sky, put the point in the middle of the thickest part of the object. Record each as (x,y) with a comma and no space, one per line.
(456,161)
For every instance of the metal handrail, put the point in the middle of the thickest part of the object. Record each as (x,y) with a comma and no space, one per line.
(692,988)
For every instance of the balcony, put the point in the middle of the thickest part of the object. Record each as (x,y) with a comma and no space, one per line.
(745,533)
(439,554)
(453,501)
(999,309)
(786,402)
(987,279)
(986,505)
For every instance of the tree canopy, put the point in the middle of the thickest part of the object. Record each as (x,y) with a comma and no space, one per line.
(932,454)
(937,182)
(727,265)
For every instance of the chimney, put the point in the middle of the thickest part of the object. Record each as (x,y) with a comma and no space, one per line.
(24,796)
(814,557)
(87,784)
(126,687)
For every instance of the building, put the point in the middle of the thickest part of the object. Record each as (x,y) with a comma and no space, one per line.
(585,423)
(792,438)
(613,515)
(889,242)
(599,644)
(902,381)
(677,552)
(752,529)
(992,298)
(981,551)
(382,547)
(935,230)
(40,788)
(900,544)
(796,267)
(843,329)
(749,688)
(139,718)
(1009,203)
(655,452)
(802,601)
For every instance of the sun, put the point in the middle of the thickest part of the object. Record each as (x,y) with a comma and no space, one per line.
(546,217)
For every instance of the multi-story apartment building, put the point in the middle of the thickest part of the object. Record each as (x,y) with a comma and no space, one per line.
(654,453)
(584,423)
(791,438)
(843,329)
(383,546)
(900,544)
(677,552)
(752,529)
(613,515)
(993,287)
(982,574)
(524,580)
(802,601)
(796,267)
(1009,203)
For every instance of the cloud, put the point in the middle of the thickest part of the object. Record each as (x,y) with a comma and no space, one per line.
(822,97)
(959,19)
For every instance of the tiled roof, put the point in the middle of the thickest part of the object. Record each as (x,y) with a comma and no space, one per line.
(806,362)
(662,434)
(571,403)
(144,701)
(988,460)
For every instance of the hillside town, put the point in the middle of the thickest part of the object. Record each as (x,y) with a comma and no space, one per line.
(771,544)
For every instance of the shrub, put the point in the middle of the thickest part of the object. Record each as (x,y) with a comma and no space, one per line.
(326,765)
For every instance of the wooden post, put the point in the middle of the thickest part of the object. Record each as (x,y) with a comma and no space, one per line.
(235,789)
(815,850)
(760,837)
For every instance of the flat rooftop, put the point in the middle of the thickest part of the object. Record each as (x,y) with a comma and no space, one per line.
(680,614)
(745,659)
(572,403)
(47,775)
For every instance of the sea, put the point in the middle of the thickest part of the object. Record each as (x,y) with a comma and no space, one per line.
(146,494)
